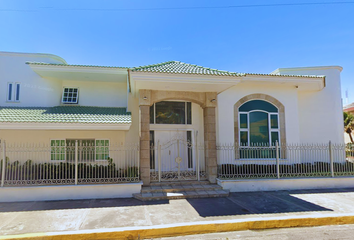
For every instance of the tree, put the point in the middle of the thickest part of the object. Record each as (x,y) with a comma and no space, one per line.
(349,124)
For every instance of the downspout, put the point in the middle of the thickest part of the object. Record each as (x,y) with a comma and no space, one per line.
(130,89)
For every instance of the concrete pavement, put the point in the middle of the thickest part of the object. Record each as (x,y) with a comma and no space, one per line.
(253,210)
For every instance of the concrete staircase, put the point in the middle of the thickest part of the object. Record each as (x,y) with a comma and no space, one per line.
(180,190)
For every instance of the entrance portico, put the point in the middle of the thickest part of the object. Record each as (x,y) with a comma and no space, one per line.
(190,83)
(206,100)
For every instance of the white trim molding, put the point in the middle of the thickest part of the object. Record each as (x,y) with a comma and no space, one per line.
(278,70)
(64,126)
(202,83)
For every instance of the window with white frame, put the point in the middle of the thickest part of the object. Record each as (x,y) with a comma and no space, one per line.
(258,124)
(102,149)
(258,130)
(57,150)
(13,91)
(70,95)
(88,149)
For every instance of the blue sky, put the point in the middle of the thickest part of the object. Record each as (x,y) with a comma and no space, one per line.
(240,39)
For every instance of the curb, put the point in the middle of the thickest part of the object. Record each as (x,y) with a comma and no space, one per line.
(171,230)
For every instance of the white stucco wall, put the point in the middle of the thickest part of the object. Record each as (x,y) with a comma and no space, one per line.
(35,91)
(44,136)
(288,96)
(132,136)
(68,192)
(100,94)
(310,116)
(320,112)
(41,92)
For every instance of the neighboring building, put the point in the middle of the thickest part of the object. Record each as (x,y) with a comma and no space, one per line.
(46,101)
(350,109)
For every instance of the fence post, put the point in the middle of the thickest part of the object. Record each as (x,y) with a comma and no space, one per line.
(3,163)
(277,158)
(138,154)
(76,161)
(331,158)
(197,155)
(159,158)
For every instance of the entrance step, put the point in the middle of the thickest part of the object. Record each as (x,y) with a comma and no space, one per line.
(174,190)
(179,183)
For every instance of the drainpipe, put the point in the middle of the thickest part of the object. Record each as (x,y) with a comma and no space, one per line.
(130,89)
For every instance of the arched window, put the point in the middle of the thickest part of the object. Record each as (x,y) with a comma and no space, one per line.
(258,124)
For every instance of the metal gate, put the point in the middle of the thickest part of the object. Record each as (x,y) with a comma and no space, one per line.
(177,160)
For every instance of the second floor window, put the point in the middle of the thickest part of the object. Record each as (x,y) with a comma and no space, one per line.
(13,92)
(70,95)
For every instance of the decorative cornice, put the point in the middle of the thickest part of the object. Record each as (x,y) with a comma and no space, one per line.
(72,65)
(172,77)
(156,75)
(296,69)
(76,68)
(169,77)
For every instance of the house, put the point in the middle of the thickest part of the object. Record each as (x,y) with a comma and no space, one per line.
(349,108)
(176,113)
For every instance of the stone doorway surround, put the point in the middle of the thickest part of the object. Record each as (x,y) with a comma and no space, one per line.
(207,100)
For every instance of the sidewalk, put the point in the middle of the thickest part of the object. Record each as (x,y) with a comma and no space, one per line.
(254,210)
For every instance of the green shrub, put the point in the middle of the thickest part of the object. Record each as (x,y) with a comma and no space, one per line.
(64,170)
(302,169)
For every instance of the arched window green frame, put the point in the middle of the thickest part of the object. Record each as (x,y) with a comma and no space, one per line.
(250,100)
(261,105)
(258,124)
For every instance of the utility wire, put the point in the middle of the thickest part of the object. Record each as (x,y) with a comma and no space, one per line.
(183,8)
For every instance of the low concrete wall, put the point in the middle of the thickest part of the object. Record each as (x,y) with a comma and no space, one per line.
(68,192)
(252,185)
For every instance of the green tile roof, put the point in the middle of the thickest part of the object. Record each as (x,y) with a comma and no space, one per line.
(186,68)
(65,114)
(181,67)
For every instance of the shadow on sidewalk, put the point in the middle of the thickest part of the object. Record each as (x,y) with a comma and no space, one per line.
(75,204)
(258,203)
(236,204)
